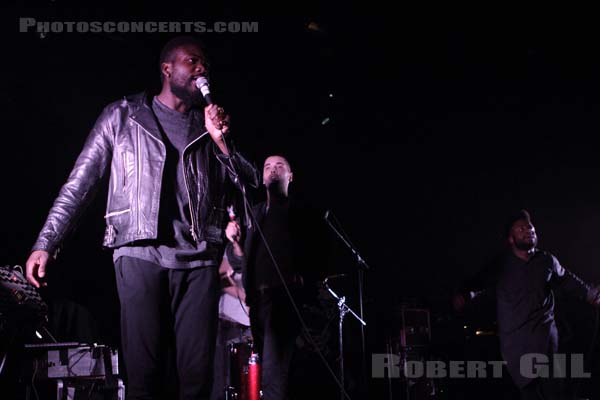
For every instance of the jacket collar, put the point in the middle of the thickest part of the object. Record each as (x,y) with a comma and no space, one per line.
(142,114)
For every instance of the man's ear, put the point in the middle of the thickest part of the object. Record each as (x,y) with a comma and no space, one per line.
(291,177)
(166,69)
(510,240)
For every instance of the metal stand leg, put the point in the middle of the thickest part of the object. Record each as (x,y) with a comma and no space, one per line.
(341,328)
(60,386)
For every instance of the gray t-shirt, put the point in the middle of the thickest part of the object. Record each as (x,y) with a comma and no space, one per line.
(174,248)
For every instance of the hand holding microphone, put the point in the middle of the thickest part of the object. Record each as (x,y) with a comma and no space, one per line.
(233,232)
(217,122)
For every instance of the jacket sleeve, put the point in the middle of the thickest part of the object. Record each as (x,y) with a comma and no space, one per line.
(481,287)
(570,283)
(81,186)
(238,168)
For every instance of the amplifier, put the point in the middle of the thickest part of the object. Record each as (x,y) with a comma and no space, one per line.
(414,327)
(71,360)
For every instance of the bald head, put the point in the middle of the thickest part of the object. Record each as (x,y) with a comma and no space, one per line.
(277,174)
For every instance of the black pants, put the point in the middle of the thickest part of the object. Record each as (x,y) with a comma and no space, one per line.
(275,327)
(161,310)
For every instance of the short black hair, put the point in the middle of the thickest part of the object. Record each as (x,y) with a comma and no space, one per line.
(521,214)
(278,154)
(168,51)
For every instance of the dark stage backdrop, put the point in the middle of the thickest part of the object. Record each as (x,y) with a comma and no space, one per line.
(420,132)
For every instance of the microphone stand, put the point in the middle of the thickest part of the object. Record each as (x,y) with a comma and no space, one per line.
(344,309)
(362,267)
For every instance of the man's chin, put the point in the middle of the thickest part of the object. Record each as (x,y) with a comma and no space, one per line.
(275,185)
(193,99)
(526,246)
(197,99)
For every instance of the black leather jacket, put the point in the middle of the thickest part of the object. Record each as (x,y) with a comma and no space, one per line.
(127,138)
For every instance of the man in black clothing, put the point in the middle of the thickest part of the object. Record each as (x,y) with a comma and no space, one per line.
(294,239)
(523,283)
(169,165)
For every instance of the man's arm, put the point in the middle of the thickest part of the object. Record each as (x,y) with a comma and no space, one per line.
(239,169)
(228,283)
(571,284)
(74,196)
(480,287)
(217,125)
(234,250)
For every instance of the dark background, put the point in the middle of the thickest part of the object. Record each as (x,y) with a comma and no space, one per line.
(440,125)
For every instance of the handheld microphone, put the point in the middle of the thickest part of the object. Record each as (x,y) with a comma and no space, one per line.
(202,84)
(231,213)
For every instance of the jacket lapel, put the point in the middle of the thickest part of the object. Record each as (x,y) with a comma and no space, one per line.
(145,117)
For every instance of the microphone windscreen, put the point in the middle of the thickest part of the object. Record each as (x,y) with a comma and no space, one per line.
(202,84)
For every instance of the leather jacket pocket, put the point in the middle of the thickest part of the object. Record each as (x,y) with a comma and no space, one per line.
(127,168)
(115,220)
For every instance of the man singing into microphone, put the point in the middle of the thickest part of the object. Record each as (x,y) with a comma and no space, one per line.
(168,190)
(292,253)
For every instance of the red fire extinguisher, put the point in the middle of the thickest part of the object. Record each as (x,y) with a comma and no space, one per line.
(254,377)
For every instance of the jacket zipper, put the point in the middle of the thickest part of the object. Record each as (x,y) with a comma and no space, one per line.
(139,180)
(187,189)
(139,163)
(124,160)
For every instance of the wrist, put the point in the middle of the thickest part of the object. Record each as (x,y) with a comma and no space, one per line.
(237,249)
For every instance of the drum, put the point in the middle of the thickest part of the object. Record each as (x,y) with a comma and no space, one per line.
(244,372)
